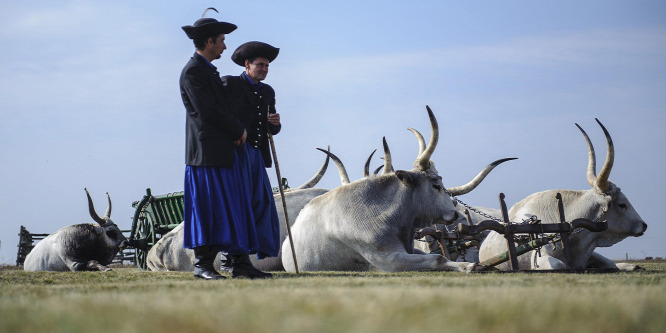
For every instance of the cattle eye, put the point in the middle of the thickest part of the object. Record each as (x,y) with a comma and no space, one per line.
(623,206)
(437,187)
(111,233)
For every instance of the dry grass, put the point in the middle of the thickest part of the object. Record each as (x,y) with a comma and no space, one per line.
(129,300)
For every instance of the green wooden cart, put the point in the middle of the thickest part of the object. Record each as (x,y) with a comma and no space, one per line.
(154,216)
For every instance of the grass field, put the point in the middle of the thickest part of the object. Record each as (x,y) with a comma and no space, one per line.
(129,300)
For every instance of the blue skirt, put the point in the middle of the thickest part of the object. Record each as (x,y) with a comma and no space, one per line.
(266,219)
(229,209)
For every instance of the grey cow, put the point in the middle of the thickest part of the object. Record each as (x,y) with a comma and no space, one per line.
(79,247)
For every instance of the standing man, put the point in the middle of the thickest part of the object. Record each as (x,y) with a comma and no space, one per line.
(254,101)
(217,207)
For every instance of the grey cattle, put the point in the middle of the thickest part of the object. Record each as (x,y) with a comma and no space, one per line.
(79,247)
(604,201)
(368,224)
(168,253)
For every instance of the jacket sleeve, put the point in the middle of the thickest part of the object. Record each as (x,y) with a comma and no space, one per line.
(273,128)
(212,111)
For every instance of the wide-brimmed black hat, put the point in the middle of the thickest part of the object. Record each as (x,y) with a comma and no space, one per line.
(208,27)
(252,50)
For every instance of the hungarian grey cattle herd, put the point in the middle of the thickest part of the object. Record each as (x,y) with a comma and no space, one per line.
(369,224)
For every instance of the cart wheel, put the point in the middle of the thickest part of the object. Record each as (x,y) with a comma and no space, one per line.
(145,235)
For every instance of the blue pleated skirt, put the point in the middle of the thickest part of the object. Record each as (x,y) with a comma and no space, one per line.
(231,209)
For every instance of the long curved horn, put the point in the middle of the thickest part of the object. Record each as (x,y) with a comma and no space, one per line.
(91,208)
(366,169)
(591,159)
(378,168)
(388,163)
(464,189)
(317,177)
(423,161)
(107,215)
(344,178)
(419,138)
(602,178)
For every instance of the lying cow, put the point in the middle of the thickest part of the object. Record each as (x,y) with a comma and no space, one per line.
(368,224)
(604,201)
(79,247)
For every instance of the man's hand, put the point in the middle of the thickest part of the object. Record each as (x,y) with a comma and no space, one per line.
(241,141)
(274,118)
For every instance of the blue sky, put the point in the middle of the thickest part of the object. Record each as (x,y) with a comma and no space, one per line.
(89,97)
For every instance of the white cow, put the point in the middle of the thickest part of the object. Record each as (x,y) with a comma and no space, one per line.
(368,224)
(79,247)
(604,201)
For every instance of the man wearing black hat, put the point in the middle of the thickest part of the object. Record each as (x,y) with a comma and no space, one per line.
(217,208)
(254,101)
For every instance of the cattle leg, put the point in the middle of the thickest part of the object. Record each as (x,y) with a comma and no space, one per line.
(91,265)
(402,261)
(599,261)
(546,262)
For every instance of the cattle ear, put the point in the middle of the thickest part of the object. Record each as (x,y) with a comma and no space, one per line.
(406,177)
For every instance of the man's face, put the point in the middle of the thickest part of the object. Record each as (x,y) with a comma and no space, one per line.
(258,69)
(217,46)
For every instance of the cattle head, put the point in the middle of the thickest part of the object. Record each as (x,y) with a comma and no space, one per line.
(613,205)
(114,237)
(435,199)
(428,193)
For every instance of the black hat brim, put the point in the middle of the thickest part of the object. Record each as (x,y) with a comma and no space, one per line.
(209,29)
(252,50)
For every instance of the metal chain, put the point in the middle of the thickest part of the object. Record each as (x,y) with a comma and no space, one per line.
(474,210)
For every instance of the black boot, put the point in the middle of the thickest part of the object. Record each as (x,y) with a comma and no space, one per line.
(241,266)
(203,264)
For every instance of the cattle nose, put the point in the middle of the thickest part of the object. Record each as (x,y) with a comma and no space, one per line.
(125,243)
(454,218)
(641,231)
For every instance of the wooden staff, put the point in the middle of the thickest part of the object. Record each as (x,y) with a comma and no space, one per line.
(284,203)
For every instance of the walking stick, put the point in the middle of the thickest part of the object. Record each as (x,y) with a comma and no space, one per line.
(284,203)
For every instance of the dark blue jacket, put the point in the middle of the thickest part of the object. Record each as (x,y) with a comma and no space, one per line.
(252,106)
(212,125)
